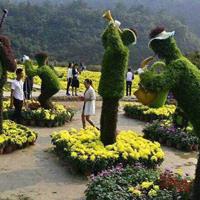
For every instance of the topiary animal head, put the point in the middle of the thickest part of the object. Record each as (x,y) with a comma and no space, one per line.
(113,33)
(129,36)
(41,58)
(7,58)
(164,44)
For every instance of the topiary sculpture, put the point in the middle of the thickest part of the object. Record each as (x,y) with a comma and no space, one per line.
(50,82)
(157,98)
(182,78)
(112,81)
(7,63)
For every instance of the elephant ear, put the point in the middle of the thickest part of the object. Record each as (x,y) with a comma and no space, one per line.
(129,37)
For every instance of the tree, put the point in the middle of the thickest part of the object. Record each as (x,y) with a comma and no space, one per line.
(111,86)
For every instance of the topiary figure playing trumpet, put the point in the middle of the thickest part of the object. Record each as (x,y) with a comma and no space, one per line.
(182,78)
(50,82)
(112,81)
(7,63)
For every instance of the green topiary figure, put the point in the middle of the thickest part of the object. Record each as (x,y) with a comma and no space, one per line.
(182,78)
(50,82)
(114,67)
(7,63)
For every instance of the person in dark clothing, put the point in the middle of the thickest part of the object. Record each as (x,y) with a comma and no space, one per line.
(75,80)
(129,80)
(69,78)
(28,87)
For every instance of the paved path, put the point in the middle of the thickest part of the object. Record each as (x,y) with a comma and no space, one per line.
(36,173)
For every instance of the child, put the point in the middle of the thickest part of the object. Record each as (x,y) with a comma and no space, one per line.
(17,95)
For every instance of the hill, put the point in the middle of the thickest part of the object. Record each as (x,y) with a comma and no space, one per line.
(72,32)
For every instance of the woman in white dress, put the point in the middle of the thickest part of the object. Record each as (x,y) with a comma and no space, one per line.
(89,103)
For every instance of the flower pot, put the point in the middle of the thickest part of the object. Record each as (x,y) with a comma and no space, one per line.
(49,124)
(195,147)
(32,143)
(60,123)
(23,122)
(161,141)
(1,150)
(169,143)
(27,122)
(8,149)
(55,124)
(178,146)
(32,123)
(41,124)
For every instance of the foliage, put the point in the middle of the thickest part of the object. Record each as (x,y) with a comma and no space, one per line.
(144,113)
(87,153)
(180,119)
(137,183)
(166,133)
(35,115)
(72,32)
(15,136)
(178,183)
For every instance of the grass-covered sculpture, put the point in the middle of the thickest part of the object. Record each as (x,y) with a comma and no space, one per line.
(7,63)
(50,82)
(182,78)
(156,98)
(114,67)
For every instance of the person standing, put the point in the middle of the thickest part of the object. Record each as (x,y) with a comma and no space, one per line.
(28,87)
(129,80)
(75,80)
(17,95)
(89,103)
(69,78)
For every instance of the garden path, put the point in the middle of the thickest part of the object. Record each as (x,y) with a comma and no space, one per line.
(36,173)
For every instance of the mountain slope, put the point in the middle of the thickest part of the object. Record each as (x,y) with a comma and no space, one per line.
(73,31)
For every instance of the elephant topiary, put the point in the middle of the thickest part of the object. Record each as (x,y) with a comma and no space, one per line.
(50,82)
(182,78)
(112,81)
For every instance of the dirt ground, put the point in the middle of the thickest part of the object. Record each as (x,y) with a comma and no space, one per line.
(36,173)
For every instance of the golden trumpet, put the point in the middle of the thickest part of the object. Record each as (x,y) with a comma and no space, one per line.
(107,15)
(146,61)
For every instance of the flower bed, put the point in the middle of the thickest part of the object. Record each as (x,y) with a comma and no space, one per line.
(165,132)
(138,183)
(87,154)
(144,113)
(34,115)
(15,137)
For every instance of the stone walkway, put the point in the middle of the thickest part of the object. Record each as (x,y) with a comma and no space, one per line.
(36,173)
